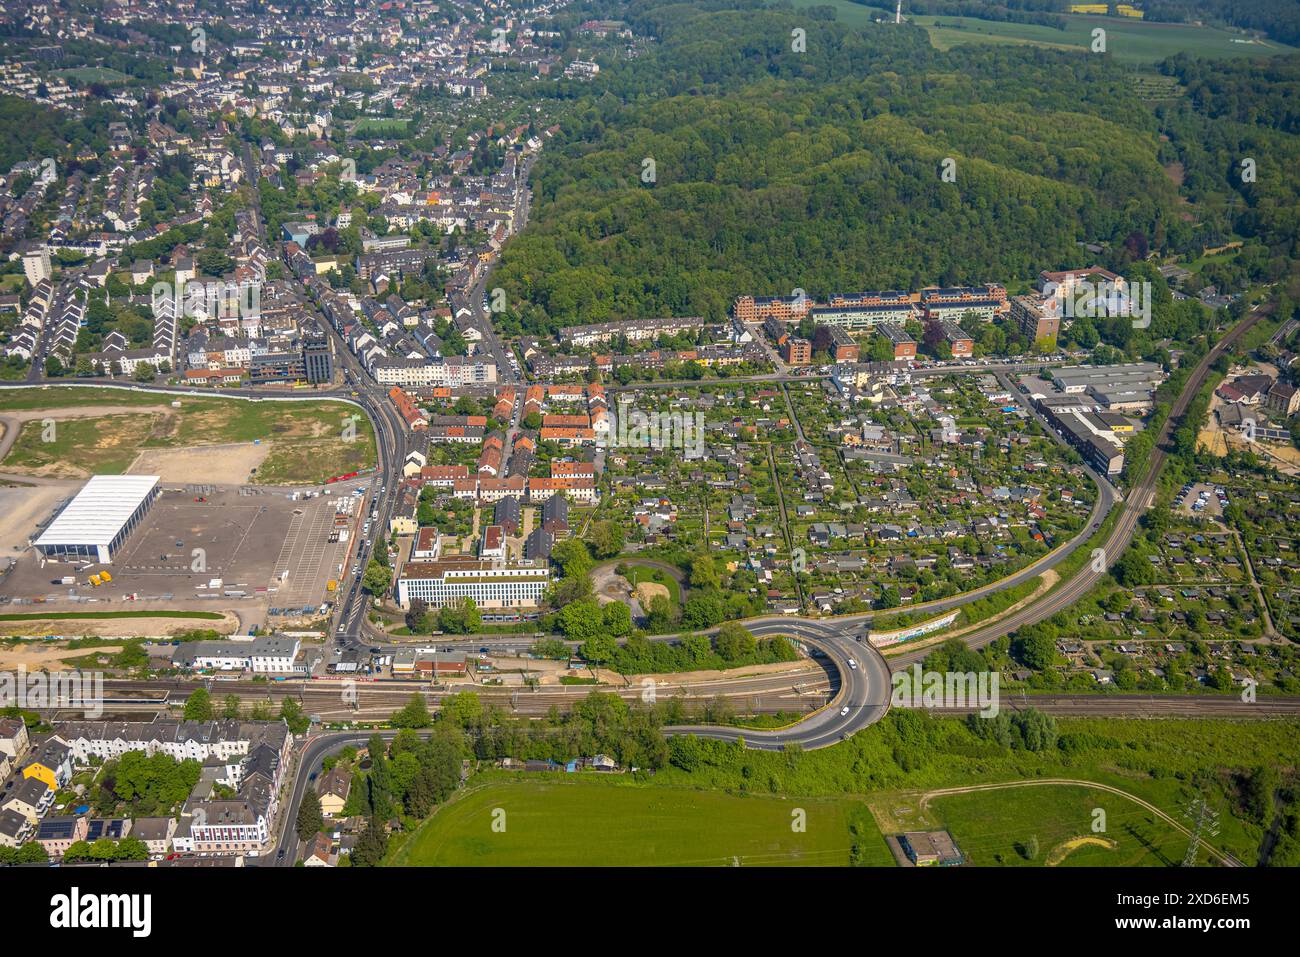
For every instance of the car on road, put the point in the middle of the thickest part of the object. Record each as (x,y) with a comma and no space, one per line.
(853,664)
(844,711)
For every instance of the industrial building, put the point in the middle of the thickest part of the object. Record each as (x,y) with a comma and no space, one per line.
(97,521)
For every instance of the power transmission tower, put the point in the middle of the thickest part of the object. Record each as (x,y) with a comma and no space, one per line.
(1205,822)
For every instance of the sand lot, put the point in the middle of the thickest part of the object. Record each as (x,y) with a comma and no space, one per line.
(37,657)
(21,508)
(648,590)
(212,464)
(117,627)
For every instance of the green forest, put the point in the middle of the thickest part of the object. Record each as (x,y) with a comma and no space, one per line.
(723,161)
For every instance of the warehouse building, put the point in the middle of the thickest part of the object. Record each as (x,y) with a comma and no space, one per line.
(97,521)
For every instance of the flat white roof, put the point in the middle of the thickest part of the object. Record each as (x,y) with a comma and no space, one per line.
(99,511)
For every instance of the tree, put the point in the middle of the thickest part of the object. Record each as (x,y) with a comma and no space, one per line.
(310,819)
(293,715)
(704,573)
(415,614)
(1036,648)
(607,538)
(572,557)
(198,706)
(460,617)
(414,714)
(372,845)
(735,642)
(377,578)
(581,620)
(231,709)
(616,618)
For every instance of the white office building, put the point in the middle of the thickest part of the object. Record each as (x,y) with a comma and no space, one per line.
(489,584)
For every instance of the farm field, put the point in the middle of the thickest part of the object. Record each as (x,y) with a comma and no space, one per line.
(1126,40)
(635,826)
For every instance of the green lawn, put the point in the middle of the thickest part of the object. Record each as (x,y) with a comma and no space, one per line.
(80,615)
(566,820)
(94,74)
(996,827)
(1131,41)
(636,574)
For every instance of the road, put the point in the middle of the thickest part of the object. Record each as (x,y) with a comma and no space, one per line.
(863,695)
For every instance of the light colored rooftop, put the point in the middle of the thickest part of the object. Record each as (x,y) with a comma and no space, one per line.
(99,510)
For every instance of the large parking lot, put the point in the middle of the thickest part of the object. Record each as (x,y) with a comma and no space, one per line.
(203,547)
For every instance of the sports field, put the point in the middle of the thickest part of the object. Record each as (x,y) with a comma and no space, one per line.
(567,820)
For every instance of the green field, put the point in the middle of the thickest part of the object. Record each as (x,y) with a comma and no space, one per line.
(305,439)
(381,126)
(90,615)
(567,820)
(1126,40)
(636,574)
(1133,41)
(996,828)
(94,74)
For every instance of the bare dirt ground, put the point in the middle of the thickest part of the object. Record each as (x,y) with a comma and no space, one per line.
(231,464)
(48,657)
(12,423)
(117,627)
(21,508)
(648,590)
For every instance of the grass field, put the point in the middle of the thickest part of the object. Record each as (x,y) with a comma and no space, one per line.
(94,74)
(1133,41)
(84,615)
(584,821)
(996,828)
(305,439)
(636,574)
(1126,40)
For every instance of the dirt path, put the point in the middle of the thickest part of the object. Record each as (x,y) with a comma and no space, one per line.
(1227,860)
